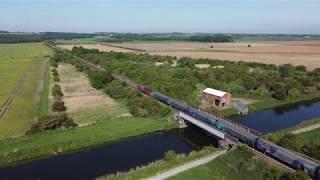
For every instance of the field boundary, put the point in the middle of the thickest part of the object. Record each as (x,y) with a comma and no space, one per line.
(122,47)
(6,105)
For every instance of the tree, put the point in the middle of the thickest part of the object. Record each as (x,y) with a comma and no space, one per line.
(286,70)
(99,79)
(52,122)
(250,83)
(58,106)
(301,68)
(56,90)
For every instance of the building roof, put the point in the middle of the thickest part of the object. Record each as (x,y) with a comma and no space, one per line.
(214,92)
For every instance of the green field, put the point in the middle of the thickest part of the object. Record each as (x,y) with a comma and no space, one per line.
(17,60)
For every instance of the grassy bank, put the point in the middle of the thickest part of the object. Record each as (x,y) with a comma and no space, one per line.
(51,143)
(237,164)
(161,165)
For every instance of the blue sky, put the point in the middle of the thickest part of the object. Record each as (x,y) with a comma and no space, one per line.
(216,16)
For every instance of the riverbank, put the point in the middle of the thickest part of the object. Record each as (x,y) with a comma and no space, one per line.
(232,165)
(237,164)
(169,162)
(51,143)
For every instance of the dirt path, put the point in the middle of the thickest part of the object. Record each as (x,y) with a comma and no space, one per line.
(306,129)
(192,164)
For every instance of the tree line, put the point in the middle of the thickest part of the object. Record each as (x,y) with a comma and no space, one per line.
(39,37)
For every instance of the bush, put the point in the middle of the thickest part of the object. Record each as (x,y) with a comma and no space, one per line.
(52,122)
(116,89)
(100,79)
(58,106)
(299,175)
(301,68)
(56,79)
(312,149)
(54,71)
(310,90)
(170,155)
(286,70)
(56,91)
(289,140)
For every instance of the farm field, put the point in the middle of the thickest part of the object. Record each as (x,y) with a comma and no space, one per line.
(17,61)
(86,104)
(270,52)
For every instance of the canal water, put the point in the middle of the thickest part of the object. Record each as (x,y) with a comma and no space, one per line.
(281,117)
(108,159)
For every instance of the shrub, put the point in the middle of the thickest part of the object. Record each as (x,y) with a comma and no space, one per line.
(99,79)
(116,89)
(286,70)
(170,155)
(56,90)
(301,68)
(54,71)
(52,122)
(310,90)
(58,106)
(294,93)
(56,79)
(312,149)
(289,140)
(298,175)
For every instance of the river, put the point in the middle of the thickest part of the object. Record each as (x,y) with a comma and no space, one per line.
(110,158)
(271,120)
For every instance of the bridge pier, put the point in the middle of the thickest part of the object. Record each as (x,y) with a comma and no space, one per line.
(176,117)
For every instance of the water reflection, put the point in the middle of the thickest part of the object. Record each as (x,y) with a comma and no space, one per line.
(271,120)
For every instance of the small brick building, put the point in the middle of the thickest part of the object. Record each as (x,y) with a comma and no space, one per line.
(216,97)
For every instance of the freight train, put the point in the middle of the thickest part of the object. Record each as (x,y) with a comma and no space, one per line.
(293,159)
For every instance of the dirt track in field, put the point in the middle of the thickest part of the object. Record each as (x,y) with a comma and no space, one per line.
(272,52)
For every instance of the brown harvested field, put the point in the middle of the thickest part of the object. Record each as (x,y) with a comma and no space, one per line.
(270,52)
(96,46)
(293,52)
(86,104)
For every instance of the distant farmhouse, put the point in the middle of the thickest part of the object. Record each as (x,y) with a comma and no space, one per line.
(216,98)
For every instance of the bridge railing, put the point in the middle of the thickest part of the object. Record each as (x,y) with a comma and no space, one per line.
(233,124)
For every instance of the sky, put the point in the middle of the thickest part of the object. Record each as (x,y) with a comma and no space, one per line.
(146,16)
